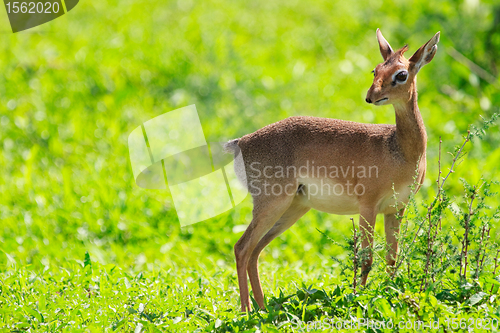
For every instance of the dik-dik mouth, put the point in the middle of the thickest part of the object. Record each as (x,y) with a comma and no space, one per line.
(381,101)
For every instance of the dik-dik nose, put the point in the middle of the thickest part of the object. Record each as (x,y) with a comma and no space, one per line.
(369,93)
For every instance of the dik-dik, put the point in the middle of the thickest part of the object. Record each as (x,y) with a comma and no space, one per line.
(335,166)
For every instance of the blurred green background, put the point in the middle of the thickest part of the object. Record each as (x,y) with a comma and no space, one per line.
(73,89)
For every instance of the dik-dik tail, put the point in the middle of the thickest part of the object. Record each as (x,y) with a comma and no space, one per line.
(231,147)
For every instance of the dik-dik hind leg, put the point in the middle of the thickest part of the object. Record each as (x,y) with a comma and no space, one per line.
(391,226)
(293,213)
(267,210)
(366,226)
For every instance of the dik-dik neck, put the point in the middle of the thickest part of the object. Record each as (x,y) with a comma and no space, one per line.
(410,129)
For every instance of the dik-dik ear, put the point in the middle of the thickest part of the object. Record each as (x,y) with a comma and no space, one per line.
(424,54)
(385,48)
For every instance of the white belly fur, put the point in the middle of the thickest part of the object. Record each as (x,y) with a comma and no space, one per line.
(325,195)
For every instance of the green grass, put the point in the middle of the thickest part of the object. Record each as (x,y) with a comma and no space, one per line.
(72,90)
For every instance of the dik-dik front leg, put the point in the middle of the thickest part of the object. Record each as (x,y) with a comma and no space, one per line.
(366,226)
(391,226)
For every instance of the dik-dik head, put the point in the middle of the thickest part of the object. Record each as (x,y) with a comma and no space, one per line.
(395,77)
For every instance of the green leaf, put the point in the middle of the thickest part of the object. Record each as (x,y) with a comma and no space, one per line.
(41,303)
(384,307)
(433,300)
(86,261)
(476,298)
(359,312)
(35,314)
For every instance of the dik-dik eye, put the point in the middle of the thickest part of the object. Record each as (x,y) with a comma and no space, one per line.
(402,76)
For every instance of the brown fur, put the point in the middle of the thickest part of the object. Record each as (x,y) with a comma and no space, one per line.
(397,151)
